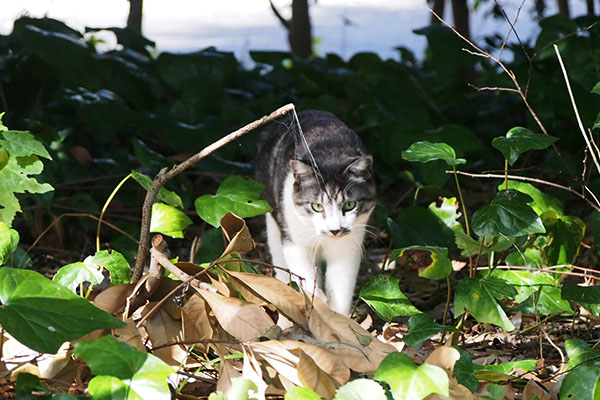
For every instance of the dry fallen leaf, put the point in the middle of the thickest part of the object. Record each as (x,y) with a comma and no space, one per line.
(195,320)
(244,321)
(359,350)
(533,389)
(288,301)
(315,378)
(162,331)
(130,335)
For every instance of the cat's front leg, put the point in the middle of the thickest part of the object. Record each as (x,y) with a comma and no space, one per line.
(343,263)
(302,267)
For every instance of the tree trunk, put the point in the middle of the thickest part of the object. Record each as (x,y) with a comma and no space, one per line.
(298,27)
(563,8)
(590,7)
(438,8)
(134,20)
(460,13)
(300,32)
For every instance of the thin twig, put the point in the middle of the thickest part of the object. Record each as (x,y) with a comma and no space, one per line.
(164,176)
(41,235)
(534,180)
(592,150)
(482,53)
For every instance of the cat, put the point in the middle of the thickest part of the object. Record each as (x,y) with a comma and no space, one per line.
(319,183)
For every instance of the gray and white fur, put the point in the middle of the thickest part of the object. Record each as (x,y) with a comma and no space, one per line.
(319,183)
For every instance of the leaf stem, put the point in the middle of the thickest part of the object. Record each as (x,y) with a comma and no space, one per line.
(106,204)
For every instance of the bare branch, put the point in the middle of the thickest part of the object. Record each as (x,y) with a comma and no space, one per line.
(164,176)
(528,179)
(284,22)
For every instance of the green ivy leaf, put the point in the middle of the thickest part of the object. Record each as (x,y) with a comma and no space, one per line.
(115,263)
(301,393)
(42,314)
(72,275)
(432,262)
(566,232)
(421,328)
(425,151)
(360,389)
(119,366)
(168,220)
(382,293)
(237,195)
(580,353)
(536,292)
(479,297)
(409,382)
(541,203)
(587,296)
(508,214)
(27,384)
(9,240)
(21,144)
(519,140)
(15,178)
(581,383)
(164,195)
(463,370)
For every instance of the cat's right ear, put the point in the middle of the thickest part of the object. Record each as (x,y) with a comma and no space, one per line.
(301,171)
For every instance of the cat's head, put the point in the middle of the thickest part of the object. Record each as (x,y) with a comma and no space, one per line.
(335,199)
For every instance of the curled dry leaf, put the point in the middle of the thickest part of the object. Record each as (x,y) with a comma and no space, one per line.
(113,299)
(288,301)
(359,350)
(226,371)
(288,350)
(533,389)
(244,321)
(314,377)
(236,234)
(252,370)
(195,321)
(130,335)
(163,331)
(444,357)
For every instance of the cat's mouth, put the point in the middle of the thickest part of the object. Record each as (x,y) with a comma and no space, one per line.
(336,233)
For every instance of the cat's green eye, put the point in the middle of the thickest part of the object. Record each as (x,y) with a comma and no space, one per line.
(349,206)
(317,207)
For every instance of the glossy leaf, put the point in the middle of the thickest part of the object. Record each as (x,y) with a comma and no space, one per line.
(9,240)
(519,140)
(419,226)
(480,297)
(360,389)
(538,292)
(237,195)
(580,353)
(464,369)
(431,262)
(409,382)
(421,328)
(115,263)
(166,196)
(168,220)
(118,366)
(582,383)
(425,151)
(72,275)
(42,314)
(587,296)
(566,232)
(301,393)
(508,214)
(382,293)
(541,203)
(15,177)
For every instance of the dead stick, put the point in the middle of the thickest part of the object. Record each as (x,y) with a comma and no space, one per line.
(528,179)
(164,176)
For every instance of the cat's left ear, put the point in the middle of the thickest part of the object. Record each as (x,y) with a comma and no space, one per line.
(361,167)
